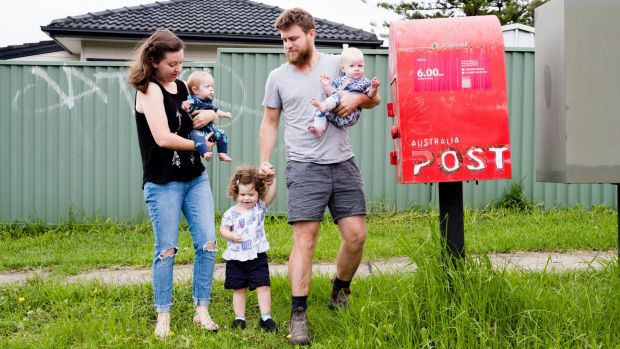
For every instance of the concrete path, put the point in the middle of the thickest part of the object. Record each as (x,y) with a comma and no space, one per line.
(526,261)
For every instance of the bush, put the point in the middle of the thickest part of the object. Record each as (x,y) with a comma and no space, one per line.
(515,199)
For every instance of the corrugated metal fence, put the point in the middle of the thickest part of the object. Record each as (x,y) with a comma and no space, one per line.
(68,140)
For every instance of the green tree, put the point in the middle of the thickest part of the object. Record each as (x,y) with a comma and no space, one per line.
(507,11)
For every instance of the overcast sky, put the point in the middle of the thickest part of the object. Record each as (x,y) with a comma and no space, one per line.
(21,21)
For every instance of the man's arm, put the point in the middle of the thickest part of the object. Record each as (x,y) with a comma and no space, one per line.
(267,137)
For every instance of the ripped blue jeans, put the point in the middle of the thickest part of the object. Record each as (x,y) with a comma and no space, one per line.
(165,202)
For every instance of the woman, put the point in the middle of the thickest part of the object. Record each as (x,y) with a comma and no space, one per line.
(174,179)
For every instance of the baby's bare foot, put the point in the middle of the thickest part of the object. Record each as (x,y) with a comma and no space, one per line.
(224,157)
(317,131)
(318,105)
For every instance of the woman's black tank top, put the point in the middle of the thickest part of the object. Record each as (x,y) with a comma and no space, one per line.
(165,165)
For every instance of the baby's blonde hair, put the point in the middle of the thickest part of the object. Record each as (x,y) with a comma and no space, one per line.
(350,53)
(196,78)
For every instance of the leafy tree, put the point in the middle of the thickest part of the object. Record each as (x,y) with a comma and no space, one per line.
(507,11)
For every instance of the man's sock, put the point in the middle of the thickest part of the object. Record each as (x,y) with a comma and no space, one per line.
(340,284)
(300,301)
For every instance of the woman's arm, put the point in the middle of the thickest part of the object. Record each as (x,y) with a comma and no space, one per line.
(202,118)
(152,105)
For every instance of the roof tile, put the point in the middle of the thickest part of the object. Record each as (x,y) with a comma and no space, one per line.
(208,18)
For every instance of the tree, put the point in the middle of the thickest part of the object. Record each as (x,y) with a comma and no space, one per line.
(507,11)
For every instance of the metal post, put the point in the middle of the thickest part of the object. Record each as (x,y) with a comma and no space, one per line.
(451,218)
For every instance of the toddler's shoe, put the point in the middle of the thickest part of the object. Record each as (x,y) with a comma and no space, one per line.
(238,323)
(268,325)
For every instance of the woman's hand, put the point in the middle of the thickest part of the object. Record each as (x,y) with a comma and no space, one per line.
(238,238)
(202,117)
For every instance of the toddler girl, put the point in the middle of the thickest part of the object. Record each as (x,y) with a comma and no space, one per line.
(246,259)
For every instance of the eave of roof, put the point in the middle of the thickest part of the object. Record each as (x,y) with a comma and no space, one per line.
(29,49)
(193,37)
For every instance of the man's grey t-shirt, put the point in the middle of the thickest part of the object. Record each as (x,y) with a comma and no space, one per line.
(291,91)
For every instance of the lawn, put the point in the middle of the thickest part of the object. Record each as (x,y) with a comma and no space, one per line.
(480,308)
(71,248)
(472,306)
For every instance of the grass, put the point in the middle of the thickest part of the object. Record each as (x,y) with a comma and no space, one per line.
(472,306)
(475,307)
(71,248)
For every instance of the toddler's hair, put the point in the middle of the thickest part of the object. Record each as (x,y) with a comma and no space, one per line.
(246,175)
(195,78)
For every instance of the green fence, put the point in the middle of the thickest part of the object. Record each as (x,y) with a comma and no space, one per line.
(68,141)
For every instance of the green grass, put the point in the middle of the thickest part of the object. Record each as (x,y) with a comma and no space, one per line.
(481,308)
(71,248)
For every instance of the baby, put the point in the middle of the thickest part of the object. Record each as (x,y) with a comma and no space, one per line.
(200,85)
(353,80)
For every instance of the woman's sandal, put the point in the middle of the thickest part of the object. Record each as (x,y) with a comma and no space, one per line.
(207,323)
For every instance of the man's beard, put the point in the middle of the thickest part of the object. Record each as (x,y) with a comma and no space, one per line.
(302,57)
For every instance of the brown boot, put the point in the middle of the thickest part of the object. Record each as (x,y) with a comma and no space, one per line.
(339,298)
(298,328)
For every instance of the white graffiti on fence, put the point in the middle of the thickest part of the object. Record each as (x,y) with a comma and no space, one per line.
(67,99)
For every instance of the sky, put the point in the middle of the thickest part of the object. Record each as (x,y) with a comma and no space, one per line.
(19,24)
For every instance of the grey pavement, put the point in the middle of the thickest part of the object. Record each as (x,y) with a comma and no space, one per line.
(522,261)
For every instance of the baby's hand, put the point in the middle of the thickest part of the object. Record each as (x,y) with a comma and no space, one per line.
(226,115)
(185,105)
(238,238)
(208,155)
(375,82)
(325,79)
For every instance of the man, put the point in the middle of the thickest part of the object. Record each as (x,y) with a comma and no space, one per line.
(320,172)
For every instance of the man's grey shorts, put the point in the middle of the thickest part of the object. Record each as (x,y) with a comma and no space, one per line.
(312,187)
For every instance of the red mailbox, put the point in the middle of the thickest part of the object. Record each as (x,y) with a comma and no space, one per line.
(449,105)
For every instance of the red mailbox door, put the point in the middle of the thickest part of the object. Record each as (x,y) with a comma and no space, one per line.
(449,104)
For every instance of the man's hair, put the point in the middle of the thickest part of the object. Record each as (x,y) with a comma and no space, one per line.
(196,78)
(294,16)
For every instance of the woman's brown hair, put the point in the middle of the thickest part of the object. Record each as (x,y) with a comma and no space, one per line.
(151,50)
(246,175)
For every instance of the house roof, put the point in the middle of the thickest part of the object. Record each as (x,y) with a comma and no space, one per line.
(518,26)
(200,21)
(29,49)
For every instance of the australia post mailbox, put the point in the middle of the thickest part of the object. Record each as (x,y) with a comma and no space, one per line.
(449,104)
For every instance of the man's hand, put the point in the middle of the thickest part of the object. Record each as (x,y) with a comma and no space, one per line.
(348,103)
(267,172)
